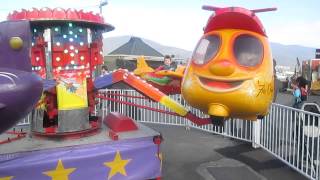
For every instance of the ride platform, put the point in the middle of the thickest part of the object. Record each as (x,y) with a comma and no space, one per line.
(132,155)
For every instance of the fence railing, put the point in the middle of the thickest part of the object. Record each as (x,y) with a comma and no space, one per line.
(235,128)
(291,135)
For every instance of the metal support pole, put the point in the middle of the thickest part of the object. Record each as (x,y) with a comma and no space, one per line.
(102,3)
(256,133)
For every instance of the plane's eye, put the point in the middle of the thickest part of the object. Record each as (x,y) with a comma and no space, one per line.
(206,49)
(248,50)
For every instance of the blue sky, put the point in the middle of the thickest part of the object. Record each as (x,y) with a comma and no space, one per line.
(180,23)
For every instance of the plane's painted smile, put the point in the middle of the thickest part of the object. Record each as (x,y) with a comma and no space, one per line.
(219,85)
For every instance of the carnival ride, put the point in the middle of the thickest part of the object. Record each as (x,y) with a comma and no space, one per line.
(231,66)
(19,88)
(66,51)
(230,75)
(166,81)
(311,71)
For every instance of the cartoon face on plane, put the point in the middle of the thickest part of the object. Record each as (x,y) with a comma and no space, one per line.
(230,73)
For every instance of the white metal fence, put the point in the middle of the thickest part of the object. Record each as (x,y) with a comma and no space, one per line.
(292,135)
(289,134)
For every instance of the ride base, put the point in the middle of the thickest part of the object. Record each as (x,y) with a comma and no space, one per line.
(132,155)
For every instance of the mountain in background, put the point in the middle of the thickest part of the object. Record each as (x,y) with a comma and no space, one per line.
(112,43)
(287,54)
(284,54)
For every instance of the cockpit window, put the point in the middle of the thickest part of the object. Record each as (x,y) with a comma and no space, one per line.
(206,49)
(248,50)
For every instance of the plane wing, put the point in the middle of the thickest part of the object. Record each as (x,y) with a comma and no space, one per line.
(149,91)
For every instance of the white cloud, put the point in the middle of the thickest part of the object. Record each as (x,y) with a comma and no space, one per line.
(169,27)
(173,26)
(300,33)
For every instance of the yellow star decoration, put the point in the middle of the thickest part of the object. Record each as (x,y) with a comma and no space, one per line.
(6,178)
(160,156)
(117,165)
(60,173)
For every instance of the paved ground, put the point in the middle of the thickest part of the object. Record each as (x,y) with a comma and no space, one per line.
(197,155)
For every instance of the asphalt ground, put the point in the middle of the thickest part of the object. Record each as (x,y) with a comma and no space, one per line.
(196,155)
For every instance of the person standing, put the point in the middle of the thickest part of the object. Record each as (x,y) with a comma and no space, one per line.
(296,95)
(302,84)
